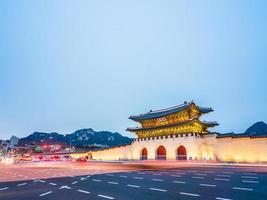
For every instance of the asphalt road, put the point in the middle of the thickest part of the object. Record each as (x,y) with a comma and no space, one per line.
(195,182)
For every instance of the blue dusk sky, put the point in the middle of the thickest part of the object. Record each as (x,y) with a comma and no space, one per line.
(66,65)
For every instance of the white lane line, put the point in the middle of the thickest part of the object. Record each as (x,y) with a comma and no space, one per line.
(181,182)
(157,189)
(219,198)
(141,173)
(21,184)
(82,178)
(46,193)
(189,194)
(123,176)
(52,183)
(75,182)
(114,183)
(239,188)
(228,172)
(104,196)
(134,186)
(224,175)
(176,175)
(83,191)
(96,180)
(157,174)
(42,181)
(137,177)
(65,187)
(250,173)
(198,174)
(198,177)
(246,181)
(251,177)
(221,179)
(155,179)
(5,188)
(207,185)
(110,174)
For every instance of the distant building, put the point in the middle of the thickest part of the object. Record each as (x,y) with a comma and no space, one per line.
(177,133)
(13,142)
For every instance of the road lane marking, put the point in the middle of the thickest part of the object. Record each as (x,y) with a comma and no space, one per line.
(189,194)
(157,189)
(219,198)
(157,174)
(46,193)
(74,182)
(114,183)
(176,175)
(181,182)
(42,181)
(224,175)
(123,176)
(82,178)
(251,177)
(228,172)
(198,177)
(5,188)
(141,172)
(246,181)
(221,179)
(250,173)
(104,196)
(110,174)
(65,187)
(96,180)
(52,183)
(135,186)
(137,177)
(83,191)
(198,174)
(155,179)
(207,185)
(239,188)
(21,184)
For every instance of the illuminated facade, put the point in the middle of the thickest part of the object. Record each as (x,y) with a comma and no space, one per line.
(177,133)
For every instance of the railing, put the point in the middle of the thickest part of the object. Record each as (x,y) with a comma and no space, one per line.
(181,157)
(143,158)
(162,157)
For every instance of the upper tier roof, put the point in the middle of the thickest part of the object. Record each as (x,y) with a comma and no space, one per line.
(167,111)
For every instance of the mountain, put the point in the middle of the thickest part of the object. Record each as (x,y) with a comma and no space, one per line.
(80,137)
(259,128)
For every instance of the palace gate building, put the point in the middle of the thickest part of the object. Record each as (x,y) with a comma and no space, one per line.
(178,133)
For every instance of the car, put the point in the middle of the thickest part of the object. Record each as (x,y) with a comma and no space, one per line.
(81,159)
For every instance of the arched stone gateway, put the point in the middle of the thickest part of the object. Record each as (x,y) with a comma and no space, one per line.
(143,154)
(161,153)
(181,153)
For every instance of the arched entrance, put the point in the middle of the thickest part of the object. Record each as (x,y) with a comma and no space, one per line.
(181,153)
(143,154)
(161,153)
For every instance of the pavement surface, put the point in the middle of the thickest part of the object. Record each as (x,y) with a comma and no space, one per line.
(139,181)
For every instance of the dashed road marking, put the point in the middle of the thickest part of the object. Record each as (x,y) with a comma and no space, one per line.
(137,177)
(114,183)
(246,181)
(157,174)
(176,175)
(189,194)
(219,198)
(46,193)
(83,191)
(110,174)
(198,174)
(207,185)
(250,173)
(141,172)
(21,184)
(5,188)
(75,182)
(239,188)
(251,177)
(221,179)
(158,189)
(135,186)
(123,176)
(96,180)
(224,175)
(65,187)
(52,183)
(104,196)
(198,177)
(155,179)
(181,182)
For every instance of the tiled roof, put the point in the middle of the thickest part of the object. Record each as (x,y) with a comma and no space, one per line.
(167,111)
